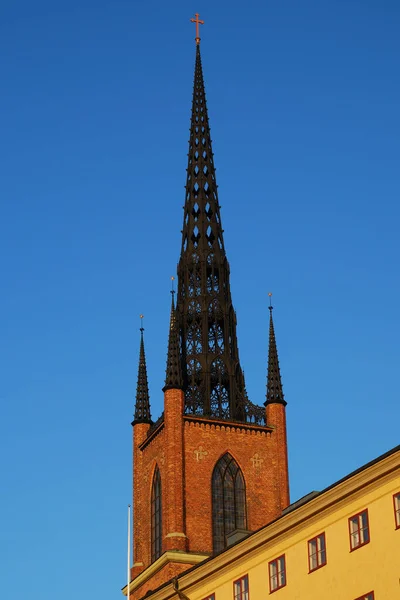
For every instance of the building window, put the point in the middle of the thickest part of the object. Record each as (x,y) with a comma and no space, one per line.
(317,552)
(370,596)
(359,530)
(156,517)
(241,588)
(396,502)
(277,573)
(210,597)
(228,500)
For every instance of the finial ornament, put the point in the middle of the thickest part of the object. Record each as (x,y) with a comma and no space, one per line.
(172,285)
(141,323)
(198,22)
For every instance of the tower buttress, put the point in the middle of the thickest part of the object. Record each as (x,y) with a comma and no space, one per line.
(175,536)
(141,425)
(276,417)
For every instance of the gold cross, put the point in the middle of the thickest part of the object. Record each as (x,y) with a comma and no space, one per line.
(198,22)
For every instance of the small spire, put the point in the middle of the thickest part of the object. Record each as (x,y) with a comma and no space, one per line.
(274,383)
(173,376)
(142,406)
(198,22)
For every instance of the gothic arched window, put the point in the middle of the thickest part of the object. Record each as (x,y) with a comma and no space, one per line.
(156,520)
(228,500)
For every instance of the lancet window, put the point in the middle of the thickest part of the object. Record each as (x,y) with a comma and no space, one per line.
(228,500)
(156,516)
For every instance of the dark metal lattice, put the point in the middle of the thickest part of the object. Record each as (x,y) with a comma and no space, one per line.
(213,379)
(228,500)
(156,517)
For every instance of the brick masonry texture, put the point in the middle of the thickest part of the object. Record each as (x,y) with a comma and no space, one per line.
(186,451)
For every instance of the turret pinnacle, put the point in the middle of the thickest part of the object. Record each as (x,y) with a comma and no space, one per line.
(142,406)
(173,377)
(274,383)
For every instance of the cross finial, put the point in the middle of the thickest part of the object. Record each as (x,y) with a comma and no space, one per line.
(141,323)
(270,307)
(198,22)
(172,285)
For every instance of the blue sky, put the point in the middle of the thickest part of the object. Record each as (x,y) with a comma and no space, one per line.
(94,113)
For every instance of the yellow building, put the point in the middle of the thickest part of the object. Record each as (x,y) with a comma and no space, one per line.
(339,544)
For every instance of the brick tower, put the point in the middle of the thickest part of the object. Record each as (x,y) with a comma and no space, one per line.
(214,466)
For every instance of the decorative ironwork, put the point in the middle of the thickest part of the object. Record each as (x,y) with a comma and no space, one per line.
(228,500)
(255,414)
(173,378)
(274,382)
(156,516)
(212,378)
(142,405)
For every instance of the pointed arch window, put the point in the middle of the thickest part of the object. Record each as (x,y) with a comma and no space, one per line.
(156,516)
(228,500)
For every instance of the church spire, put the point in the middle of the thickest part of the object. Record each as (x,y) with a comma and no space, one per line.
(212,376)
(274,382)
(173,377)
(142,406)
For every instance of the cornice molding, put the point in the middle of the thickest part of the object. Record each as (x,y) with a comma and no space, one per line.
(151,436)
(167,557)
(227,424)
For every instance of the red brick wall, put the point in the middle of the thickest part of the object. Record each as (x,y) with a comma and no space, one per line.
(145,462)
(186,451)
(276,417)
(252,448)
(174,508)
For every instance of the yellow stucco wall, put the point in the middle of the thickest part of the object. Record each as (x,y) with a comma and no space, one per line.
(346,576)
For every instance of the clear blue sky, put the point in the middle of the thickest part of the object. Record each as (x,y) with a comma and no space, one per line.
(94,113)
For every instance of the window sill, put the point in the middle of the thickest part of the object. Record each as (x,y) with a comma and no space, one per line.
(359,546)
(316,568)
(277,589)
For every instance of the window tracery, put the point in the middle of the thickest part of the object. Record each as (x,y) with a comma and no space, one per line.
(228,500)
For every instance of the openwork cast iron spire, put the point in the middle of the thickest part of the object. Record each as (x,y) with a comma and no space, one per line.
(212,377)
(173,377)
(274,382)
(142,406)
